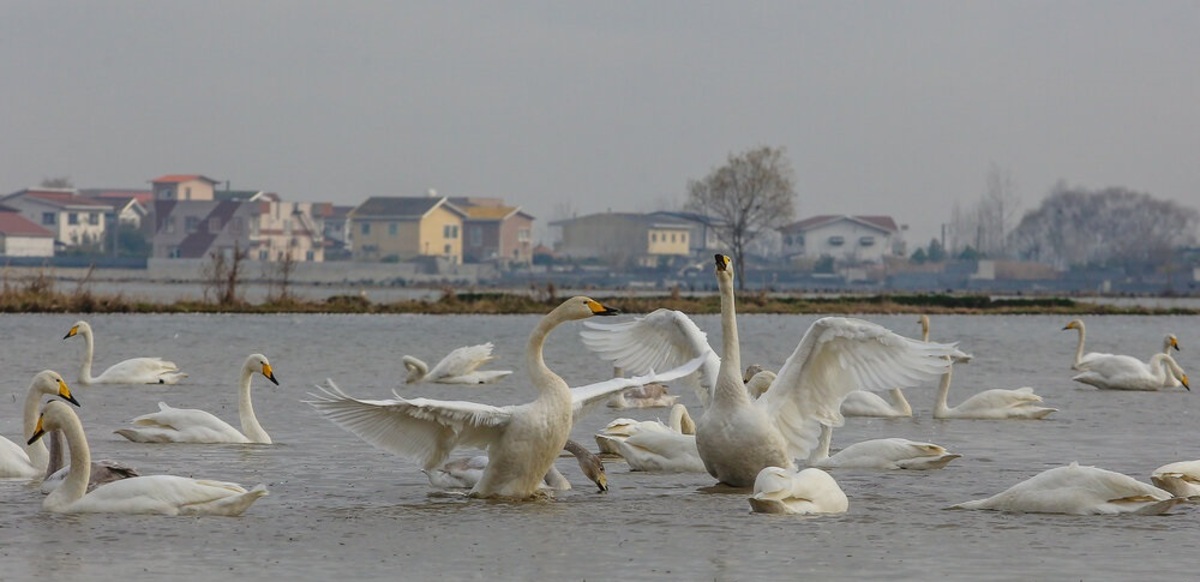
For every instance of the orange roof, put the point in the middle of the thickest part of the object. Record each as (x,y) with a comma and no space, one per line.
(489,212)
(13,224)
(177,178)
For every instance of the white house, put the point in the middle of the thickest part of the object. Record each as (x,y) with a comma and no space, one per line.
(75,220)
(20,237)
(845,238)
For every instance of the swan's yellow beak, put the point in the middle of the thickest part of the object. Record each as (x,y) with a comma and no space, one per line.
(602,483)
(722,262)
(266,371)
(74,330)
(1069,326)
(1175,343)
(38,431)
(599,309)
(65,393)
(1184,381)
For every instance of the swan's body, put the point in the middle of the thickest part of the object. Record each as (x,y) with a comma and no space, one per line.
(189,425)
(466,472)
(890,453)
(131,371)
(864,403)
(1171,342)
(994,404)
(652,446)
(1182,479)
(653,395)
(1076,490)
(460,366)
(522,441)
(161,494)
(811,491)
(1130,373)
(30,461)
(103,471)
(738,437)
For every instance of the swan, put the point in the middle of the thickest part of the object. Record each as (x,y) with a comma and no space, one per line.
(958,357)
(653,395)
(1130,373)
(522,441)
(30,461)
(757,380)
(738,437)
(103,471)
(1082,360)
(679,422)
(189,425)
(131,371)
(890,453)
(1169,342)
(162,494)
(1182,478)
(1076,490)
(864,403)
(811,491)
(465,473)
(458,367)
(994,404)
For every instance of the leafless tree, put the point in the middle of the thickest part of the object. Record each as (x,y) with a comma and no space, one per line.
(222,275)
(57,182)
(985,225)
(283,269)
(751,194)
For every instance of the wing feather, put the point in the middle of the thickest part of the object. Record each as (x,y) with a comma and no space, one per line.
(584,398)
(462,361)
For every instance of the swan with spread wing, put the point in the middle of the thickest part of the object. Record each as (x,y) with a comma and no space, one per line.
(460,366)
(522,441)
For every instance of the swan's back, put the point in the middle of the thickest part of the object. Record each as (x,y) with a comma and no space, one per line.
(1078,490)
(162,494)
(181,425)
(811,491)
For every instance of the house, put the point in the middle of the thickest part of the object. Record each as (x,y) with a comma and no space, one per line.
(495,232)
(76,221)
(21,237)
(334,221)
(702,237)
(394,228)
(130,207)
(624,238)
(193,220)
(845,238)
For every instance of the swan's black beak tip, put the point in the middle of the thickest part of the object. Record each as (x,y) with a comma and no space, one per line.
(71,399)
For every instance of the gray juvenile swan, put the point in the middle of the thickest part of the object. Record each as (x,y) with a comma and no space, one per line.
(465,473)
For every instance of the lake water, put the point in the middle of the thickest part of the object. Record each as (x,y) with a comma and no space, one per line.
(339,508)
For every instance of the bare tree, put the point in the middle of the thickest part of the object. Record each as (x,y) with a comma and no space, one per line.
(280,273)
(752,193)
(222,275)
(985,225)
(57,182)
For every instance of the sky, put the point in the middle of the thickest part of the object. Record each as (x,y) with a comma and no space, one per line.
(883,107)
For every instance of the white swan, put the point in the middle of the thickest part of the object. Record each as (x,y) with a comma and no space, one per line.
(131,371)
(679,422)
(1076,490)
(653,395)
(1130,373)
(460,366)
(809,492)
(890,453)
(465,473)
(994,404)
(958,356)
(758,381)
(30,461)
(652,446)
(738,437)
(1082,360)
(162,494)
(864,403)
(189,425)
(103,471)
(522,441)
(1171,342)
(1182,478)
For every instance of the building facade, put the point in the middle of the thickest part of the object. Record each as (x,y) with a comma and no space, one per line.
(845,238)
(76,221)
(387,228)
(624,239)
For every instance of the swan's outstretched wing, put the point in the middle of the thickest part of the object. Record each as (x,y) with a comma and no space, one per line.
(661,340)
(584,398)
(422,429)
(838,355)
(462,361)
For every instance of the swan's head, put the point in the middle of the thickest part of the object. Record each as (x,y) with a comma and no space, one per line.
(54,415)
(580,307)
(78,328)
(1171,342)
(1075,324)
(593,469)
(51,383)
(259,363)
(773,483)
(760,383)
(751,370)
(723,262)
(924,321)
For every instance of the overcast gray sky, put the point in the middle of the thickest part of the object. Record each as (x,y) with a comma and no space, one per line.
(884,107)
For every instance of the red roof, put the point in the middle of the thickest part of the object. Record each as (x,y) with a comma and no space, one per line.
(177,178)
(13,224)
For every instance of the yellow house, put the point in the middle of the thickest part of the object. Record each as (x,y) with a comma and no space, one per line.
(385,228)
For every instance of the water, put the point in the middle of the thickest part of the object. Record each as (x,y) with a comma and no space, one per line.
(340,508)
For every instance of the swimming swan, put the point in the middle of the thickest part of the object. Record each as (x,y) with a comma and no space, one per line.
(1076,490)
(161,494)
(809,492)
(958,357)
(458,367)
(1130,373)
(1171,342)
(994,404)
(679,422)
(889,453)
(1082,360)
(864,403)
(465,473)
(652,446)
(131,371)
(738,437)
(1182,478)
(189,425)
(522,441)
(30,461)
(103,471)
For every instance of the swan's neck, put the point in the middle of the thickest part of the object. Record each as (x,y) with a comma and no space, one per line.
(940,409)
(900,403)
(250,426)
(821,451)
(1079,348)
(56,452)
(729,388)
(75,485)
(549,384)
(416,369)
(681,421)
(1159,365)
(925,329)
(85,369)
(38,455)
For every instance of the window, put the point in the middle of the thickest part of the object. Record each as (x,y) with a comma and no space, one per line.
(264,255)
(174,253)
(447,249)
(366,228)
(48,218)
(837,241)
(393,228)
(72,218)
(866,241)
(187,193)
(683,238)
(450,231)
(93,218)
(654,237)
(165,194)
(170,228)
(523,235)
(476,235)
(309,256)
(190,224)
(672,237)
